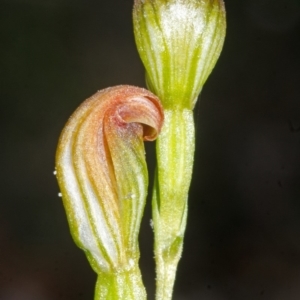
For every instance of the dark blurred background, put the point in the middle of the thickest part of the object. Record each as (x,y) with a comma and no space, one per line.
(243,233)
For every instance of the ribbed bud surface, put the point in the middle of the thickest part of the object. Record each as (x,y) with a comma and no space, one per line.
(179,42)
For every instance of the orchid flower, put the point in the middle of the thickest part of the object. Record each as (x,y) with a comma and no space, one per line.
(102,175)
(179,42)
(100,161)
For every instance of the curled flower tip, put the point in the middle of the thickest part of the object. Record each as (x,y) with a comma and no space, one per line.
(102,173)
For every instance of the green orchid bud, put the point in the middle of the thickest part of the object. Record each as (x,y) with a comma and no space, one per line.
(179,42)
(102,175)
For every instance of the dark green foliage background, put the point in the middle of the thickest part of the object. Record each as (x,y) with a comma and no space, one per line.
(243,234)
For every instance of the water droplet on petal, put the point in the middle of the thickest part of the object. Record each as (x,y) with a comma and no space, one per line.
(151,223)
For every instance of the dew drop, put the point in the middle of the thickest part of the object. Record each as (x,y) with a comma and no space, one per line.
(130,196)
(151,223)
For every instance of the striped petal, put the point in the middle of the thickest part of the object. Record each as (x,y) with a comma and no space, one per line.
(179,42)
(102,173)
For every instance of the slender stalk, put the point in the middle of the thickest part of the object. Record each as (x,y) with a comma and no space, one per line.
(120,285)
(175,152)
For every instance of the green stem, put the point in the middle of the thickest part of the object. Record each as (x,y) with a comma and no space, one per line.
(120,285)
(175,154)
